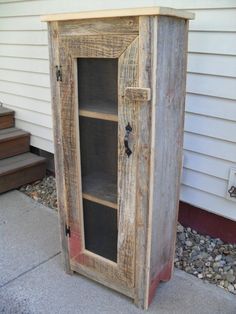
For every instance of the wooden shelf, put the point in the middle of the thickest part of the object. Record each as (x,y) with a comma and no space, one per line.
(98,115)
(99,111)
(101,189)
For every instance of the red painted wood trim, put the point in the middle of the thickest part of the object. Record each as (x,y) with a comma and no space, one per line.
(75,242)
(207,223)
(164,275)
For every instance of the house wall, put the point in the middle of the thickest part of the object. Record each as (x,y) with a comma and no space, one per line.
(210,125)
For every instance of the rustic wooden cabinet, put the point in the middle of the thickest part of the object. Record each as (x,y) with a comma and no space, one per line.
(118,93)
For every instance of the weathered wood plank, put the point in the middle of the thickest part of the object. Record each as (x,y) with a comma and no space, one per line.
(147,59)
(119,25)
(98,115)
(101,46)
(155,10)
(13,142)
(138,94)
(6,118)
(127,113)
(95,199)
(22,169)
(99,277)
(168,142)
(59,160)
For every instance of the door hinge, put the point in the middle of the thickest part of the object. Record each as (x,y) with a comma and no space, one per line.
(58,73)
(67,231)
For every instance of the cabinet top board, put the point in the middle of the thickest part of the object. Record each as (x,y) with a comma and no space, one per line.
(119,13)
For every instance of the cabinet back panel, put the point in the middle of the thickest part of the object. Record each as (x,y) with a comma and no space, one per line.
(100,225)
(97,83)
(98,145)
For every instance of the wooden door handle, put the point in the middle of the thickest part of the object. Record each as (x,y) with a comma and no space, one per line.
(138,93)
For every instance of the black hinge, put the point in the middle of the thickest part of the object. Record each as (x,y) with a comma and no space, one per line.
(67,230)
(58,73)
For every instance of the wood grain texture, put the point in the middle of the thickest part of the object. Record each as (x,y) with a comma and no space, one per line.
(155,10)
(91,113)
(147,56)
(13,142)
(101,46)
(6,121)
(57,129)
(138,94)
(167,144)
(102,201)
(127,113)
(120,25)
(99,277)
(22,169)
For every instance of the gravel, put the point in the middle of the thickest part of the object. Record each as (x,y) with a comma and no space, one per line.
(43,191)
(207,258)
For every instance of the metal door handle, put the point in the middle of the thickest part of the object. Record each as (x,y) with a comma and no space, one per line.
(128,130)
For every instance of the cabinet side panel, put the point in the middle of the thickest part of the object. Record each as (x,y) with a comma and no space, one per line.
(147,27)
(59,163)
(168,142)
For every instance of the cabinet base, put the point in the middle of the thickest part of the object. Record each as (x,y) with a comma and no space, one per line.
(164,275)
(84,271)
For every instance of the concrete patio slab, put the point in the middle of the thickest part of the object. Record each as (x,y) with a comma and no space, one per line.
(28,235)
(34,282)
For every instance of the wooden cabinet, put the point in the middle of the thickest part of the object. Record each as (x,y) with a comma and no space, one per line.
(118,93)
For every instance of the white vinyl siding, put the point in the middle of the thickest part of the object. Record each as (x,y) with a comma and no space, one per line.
(210,124)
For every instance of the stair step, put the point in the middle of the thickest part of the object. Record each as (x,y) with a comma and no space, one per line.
(13,142)
(6,118)
(19,170)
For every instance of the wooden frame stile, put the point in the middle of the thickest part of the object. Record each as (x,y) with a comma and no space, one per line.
(58,142)
(147,55)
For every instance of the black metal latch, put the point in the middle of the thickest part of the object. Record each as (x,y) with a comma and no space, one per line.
(232,191)
(67,230)
(58,73)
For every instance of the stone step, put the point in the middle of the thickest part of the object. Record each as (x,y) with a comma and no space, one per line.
(13,142)
(21,169)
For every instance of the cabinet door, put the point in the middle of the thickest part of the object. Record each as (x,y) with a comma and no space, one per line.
(99,153)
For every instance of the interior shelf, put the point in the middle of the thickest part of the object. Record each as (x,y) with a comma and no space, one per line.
(100,188)
(97,88)
(104,111)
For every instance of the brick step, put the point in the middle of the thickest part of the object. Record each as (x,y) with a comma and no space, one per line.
(19,170)
(6,118)
(13,142)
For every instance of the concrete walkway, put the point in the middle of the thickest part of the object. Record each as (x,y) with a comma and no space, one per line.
(32,279)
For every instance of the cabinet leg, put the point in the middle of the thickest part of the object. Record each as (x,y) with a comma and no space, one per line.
(163,276)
